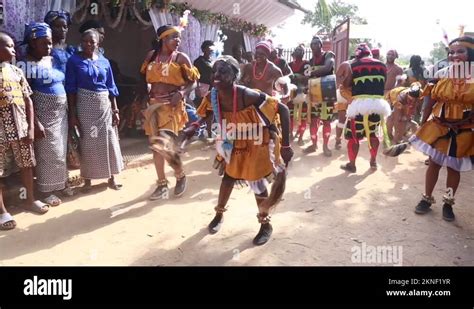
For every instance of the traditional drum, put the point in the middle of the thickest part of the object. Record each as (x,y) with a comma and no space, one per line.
(322,89)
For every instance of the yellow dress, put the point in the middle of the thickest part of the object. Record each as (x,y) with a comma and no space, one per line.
(449,147)
(204,107)
(252,159)
(169,118)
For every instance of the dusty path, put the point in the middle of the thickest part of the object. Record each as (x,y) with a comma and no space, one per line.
(324,215)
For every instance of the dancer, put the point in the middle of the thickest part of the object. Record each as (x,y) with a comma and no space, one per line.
(344,97)
(251,156)
(368,107)
(297,106)
(394,72)
(321,64)
(170,74)
(448,136)
(262,74)
(405,101)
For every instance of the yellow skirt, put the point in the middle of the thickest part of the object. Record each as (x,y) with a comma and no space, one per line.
(445,146)
(169,118)
(251,161)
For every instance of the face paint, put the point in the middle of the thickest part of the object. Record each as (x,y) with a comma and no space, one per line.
(222,74)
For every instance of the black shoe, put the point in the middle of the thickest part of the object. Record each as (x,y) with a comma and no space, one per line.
(310,149)
(422,207)
(349,168)
(448,213)
(338,145)
(263,235)
(181,185)
(373,165)
(327,152)
(216,224)
(161,192)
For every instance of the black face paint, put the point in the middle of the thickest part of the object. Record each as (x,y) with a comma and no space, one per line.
(222,72)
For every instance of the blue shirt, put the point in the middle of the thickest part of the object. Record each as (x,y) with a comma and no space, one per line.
(61,56)
(46,78)
(94,75)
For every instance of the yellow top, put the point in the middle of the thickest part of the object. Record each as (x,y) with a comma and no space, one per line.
(13,86)
(455,97)
(204,107)
(171,73)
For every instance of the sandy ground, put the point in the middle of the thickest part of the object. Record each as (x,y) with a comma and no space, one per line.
(325,214)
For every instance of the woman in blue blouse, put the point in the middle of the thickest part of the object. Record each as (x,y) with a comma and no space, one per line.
(50,104)
(91,92)
(59,22)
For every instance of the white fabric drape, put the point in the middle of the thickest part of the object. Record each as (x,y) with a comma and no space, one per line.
(66,5)
(159,18)
(250,41)
(209,32)
(192,37)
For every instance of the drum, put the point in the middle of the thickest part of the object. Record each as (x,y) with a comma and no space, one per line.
(322,89)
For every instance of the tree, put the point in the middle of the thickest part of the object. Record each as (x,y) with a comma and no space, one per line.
(326,16)
(439,52)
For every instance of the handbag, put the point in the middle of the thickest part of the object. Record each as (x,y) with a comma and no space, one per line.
(73,150)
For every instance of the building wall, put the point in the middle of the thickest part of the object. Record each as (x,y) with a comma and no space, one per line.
(128,47)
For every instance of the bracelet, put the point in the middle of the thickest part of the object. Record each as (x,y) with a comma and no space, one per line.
(116,111)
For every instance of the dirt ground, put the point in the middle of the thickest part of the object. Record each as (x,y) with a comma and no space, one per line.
(325,213)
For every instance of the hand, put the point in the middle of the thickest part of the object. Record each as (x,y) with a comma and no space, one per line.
(30,138)
(176,98)
(285,100)
(115,119)
(287,154)
(197,92)
(74,122)
(39,131)
(190,131)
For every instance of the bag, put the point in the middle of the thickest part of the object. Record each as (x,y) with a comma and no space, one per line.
(73,151)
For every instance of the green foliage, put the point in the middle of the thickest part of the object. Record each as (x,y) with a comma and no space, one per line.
(438,52)
(327,16)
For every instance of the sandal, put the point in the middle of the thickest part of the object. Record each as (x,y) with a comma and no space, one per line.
(7,222)
(38,207)
(114,185)
(53,200)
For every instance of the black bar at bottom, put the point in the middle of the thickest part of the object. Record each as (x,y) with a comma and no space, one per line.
(239,285)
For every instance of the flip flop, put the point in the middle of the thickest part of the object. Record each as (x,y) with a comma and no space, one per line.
(38,207)
(53,200)
(6,218)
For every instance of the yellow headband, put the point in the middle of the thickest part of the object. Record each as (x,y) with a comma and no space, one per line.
(465,44)
(168,32)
